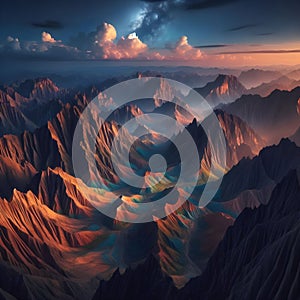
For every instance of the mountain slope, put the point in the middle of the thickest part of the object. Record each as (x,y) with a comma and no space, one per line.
(296,137)
(254,77)
(251,262)
(242,186)
(259,256)
(29,104)
(241,140)
(225,89)
(283,83)
(12,120)
(133,284)
(272,117)
(40,89)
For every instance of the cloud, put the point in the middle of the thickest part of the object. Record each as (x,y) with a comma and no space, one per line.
(152,1)
(105,45)
(206,4)
(47,38)
(100,44)
(107,48)
(185,51)
(12,44)
(212,46)
(105,33)
(46,49)
(278,51)
(194,4)
(51,24)
(131,47)
(242,27)
(264,33)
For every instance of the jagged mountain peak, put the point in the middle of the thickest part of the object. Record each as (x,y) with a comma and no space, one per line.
(229,84)
(225,89)
(39,88)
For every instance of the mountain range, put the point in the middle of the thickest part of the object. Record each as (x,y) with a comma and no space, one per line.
(249,262)
(55,245)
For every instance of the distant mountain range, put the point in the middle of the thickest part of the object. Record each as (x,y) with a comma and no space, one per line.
(295,74)
(228,88)
(272,117)
(255,77)
(282,83)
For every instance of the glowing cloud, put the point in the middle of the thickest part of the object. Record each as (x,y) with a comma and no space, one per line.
(105,33)
(103,44)
(126,48)
(185,51)
(47,38)
(131,46)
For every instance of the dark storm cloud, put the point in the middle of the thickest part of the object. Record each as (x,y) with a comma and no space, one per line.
(242,27)
(49,24)
(195,4)
(264,33)
(211,46)
(207,4)
(263,52)
(151,1)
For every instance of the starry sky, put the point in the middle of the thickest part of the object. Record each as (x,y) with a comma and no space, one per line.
(207,31)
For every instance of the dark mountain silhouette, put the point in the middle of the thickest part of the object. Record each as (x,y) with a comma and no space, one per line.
(259,255)
(282,83)
(254,77)
(251,181)
(257,259)
(272,117)
(296,137)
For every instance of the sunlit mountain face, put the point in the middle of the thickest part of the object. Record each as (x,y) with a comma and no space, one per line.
(150,150)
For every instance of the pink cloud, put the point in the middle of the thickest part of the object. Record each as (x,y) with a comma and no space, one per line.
(183,50)
(131,47)
(105,33)
(47,38)
(180,51)
(125,48)
(104,44)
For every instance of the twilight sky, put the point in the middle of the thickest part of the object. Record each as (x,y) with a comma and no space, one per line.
(210,32)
